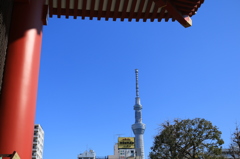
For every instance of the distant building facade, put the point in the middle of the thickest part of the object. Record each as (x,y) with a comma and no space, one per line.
(228,154)
(122,153)
(38,141)
(87,155)
(90,155)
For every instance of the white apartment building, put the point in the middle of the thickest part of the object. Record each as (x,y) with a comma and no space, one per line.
(38,140)
(87,155)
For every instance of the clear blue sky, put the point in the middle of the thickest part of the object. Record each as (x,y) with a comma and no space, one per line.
(87,83)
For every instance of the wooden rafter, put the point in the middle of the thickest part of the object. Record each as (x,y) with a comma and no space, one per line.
(67,8)
(169,10)
(116,9)
(124,11)
(75,9)
(84,5)
(45,14)
(140,8)
(147,11)
(100,7)
(185,5)
(154,13)
(92,9)
(162,13)
(59,8)
(133,6)
(50,8)
(108,9)
(184,20)
(22,1)
(167,16)
(189,1)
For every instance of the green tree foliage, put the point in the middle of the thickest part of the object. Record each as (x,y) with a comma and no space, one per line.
(187,139)
(234,148)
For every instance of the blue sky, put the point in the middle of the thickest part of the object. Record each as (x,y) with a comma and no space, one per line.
(87,82)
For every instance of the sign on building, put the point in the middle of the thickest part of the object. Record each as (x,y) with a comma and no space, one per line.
(126,143)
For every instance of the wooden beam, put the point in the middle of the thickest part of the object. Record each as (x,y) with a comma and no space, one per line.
(75,9)
(92,9)
(154,13)
(162,13)
(45,14)
(189,1)
(167,16)
(22,1)
(184,20)
(149,5)
(84,6)
(133,6)
(109,4)
(140,8)
(117,4)
(50,8)
(100,7)
(67,8)
(124,10)
(59,8)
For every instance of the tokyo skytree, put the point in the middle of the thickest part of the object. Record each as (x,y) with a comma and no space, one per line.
(138,128)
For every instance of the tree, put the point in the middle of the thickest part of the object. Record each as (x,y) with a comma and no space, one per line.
(234,148)
(187,139)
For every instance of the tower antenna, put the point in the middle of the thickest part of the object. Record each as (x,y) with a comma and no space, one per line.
(138,127)
(137,88)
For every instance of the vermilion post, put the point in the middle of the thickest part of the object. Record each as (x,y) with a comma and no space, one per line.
(19,89)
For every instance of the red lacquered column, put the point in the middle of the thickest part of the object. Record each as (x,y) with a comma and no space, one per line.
(19,89)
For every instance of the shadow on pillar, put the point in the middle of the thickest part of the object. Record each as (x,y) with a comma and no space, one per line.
(5,18)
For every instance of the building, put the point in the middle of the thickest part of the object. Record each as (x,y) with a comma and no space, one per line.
(122,153)
(90,155)
(231,153)
(87,155)
(38,140)
(116,153)
(138,127)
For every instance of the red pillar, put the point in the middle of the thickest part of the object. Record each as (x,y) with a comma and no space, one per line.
(19,89)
